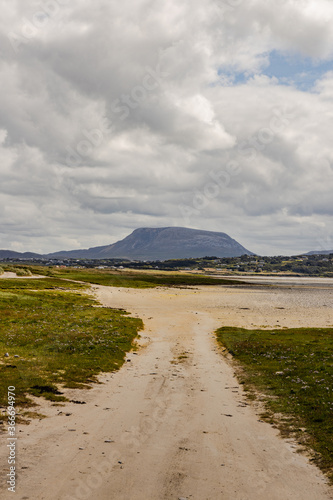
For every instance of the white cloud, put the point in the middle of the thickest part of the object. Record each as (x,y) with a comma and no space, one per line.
(114,116)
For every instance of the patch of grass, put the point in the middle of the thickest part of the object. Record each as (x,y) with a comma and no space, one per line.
(49,392)
(39,284)
(57,337)
(293,368)
(23,272)
(19,270)
(33,414)
(138,279)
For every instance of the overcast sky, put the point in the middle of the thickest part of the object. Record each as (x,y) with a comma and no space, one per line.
(147,113)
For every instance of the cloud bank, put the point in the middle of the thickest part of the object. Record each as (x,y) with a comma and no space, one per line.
(122,115)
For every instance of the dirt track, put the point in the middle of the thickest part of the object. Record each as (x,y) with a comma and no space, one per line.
(173,423)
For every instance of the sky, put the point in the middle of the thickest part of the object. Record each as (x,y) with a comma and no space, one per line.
(212,115)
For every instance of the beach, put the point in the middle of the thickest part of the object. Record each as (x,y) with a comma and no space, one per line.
(174,423)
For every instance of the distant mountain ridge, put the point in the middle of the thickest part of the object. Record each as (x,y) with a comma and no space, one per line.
(10,254)
(157,244)
(319,252)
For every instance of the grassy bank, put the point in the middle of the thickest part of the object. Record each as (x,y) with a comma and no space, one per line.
(123,278)
(40,284)
(137,279)
(293,368)
(56,337)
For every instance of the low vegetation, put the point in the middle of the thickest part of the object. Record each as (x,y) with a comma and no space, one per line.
(293,369)
(296,265)
(51,338)
(133,279)
(40,284)
(18,270)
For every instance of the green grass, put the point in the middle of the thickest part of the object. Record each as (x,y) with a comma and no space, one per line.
(137,279)
(40,284)
(19,270)
(293,368)
(61,337)
(23,272)
(126,278)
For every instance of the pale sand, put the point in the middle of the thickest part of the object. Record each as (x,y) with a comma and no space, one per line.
(181,430)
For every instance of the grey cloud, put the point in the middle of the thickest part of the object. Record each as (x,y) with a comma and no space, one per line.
(92,145)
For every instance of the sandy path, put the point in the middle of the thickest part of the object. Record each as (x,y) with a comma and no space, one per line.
(169,428)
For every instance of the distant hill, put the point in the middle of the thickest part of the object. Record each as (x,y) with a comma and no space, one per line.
(90,253)
(152,244)
(319,252)
(9,254)
(162,244)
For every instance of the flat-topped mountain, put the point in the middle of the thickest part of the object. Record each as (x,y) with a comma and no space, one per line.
(148,243)
(164,243)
